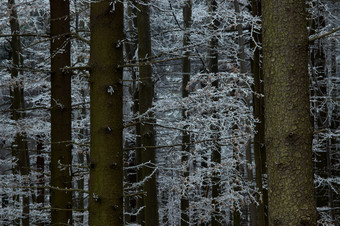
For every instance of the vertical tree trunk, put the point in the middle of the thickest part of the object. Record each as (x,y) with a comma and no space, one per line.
(243,70)
(106,92)
(334,154)
(258,106)
(133,175)
(321,119)
(212,67)
(19,146)
(186,70)
(40,178)
(61,148)
(146,93)
(288,129)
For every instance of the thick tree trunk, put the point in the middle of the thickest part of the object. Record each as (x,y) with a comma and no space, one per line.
(61,148)
(106,92)
(288,129)
(186,70)
(146,93)
(19,146)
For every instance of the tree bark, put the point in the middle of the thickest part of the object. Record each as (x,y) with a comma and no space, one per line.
(106,92)
(212,67)
(40,161)
(258,110)
(243,70)
(186,70)
(19,146)
(61,148)
(147,131)
(288,129)
(133,203)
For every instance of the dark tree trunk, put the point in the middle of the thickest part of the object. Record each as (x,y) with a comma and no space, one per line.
(147,131)
(61,147)
(186,70)
(19,146)
(106,92)
(258,106)
(40,178)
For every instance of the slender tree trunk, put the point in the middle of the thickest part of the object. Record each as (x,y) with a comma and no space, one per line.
(80,183)
(212,67)
(321,119)
(236,213)
(19,146)
(106,92)
(146,94)
(334,155)
(186,70)
(61,148)
(243,70)
(258,106)
(288,129)
(40,178)
(133,203)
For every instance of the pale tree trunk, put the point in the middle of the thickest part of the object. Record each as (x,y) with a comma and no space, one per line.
(19,145)
(288,129)
(186,70)
(106,120)
(61,148)
(147,131)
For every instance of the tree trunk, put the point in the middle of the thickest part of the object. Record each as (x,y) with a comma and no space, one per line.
(258,108)
(19,145)
(61,148)
(288,129)
(186,70)
(243,70)
(321,118)
(133,203)
(146,93)
(212,67)
(40,177)
(106,92)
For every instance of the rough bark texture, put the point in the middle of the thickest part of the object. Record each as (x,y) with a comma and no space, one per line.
(186,69)
(61,201)
(106,91)
(19,146)
(288,129)
(146,93)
